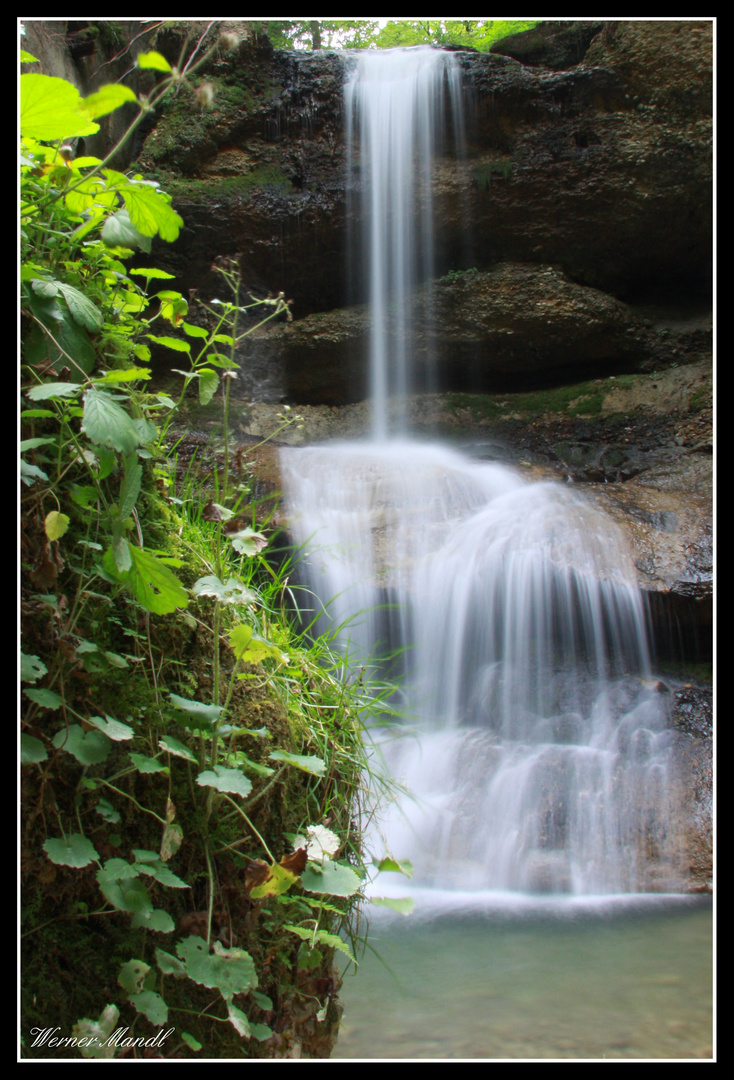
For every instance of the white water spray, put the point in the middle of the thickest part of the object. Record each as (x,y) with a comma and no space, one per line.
(538,760)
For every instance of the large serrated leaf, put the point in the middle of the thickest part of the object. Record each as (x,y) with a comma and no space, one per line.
(150,213)
(51,109)
(81,307)
(107,424)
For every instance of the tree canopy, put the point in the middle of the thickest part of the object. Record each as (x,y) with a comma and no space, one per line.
(390,33)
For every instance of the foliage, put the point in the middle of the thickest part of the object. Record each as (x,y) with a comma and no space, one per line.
(391,33)
(175,729)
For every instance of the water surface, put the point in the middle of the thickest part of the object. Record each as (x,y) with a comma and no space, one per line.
(595,979)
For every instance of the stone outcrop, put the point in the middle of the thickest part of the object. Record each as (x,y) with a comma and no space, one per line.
(599,166)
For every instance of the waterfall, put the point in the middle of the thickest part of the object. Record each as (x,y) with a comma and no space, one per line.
(536,749)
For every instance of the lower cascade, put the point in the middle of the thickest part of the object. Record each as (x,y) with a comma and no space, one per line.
(536,754)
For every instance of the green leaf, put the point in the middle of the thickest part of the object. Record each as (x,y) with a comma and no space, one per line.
(247,541)
(231,971)
(194,331)
(330,877)
(132,976)
(51,109)
(107,811)
(82,309)
(146,764)
(74,850)
(332,941)
(150,213)
(307,763)
(177,344)
(31,668)
(154,920)
(233,592)
(119,231)
(152,273)
(128,375)
(388,864)
(231,781)
(151,1005)
(402,904)
(107,99)
(47,699)
(170,965)
(176,748)
(153,61)
(89,748)
(113,729)
(238,1021)
(190,1041)
(125,894)
(106,423)
(154,586)
(208,383)
(210,713)
(277,882)
(51,390)
(55,525)
(157,869)
(32,750)
(26,58)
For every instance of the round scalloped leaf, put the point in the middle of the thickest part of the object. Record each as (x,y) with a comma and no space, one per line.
(89,748)
(330,877)
(231,781)
(32,750)
(74,850)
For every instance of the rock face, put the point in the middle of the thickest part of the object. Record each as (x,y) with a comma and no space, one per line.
(598,165)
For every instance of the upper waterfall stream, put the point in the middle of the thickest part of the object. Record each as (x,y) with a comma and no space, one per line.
(536,749)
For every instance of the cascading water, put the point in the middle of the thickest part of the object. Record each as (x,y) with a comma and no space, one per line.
(538,758)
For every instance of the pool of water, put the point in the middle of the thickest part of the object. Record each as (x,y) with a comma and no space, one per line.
(595,979)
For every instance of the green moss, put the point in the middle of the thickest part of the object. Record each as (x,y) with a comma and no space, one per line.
(581,399)
(482,174)
(261,178)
